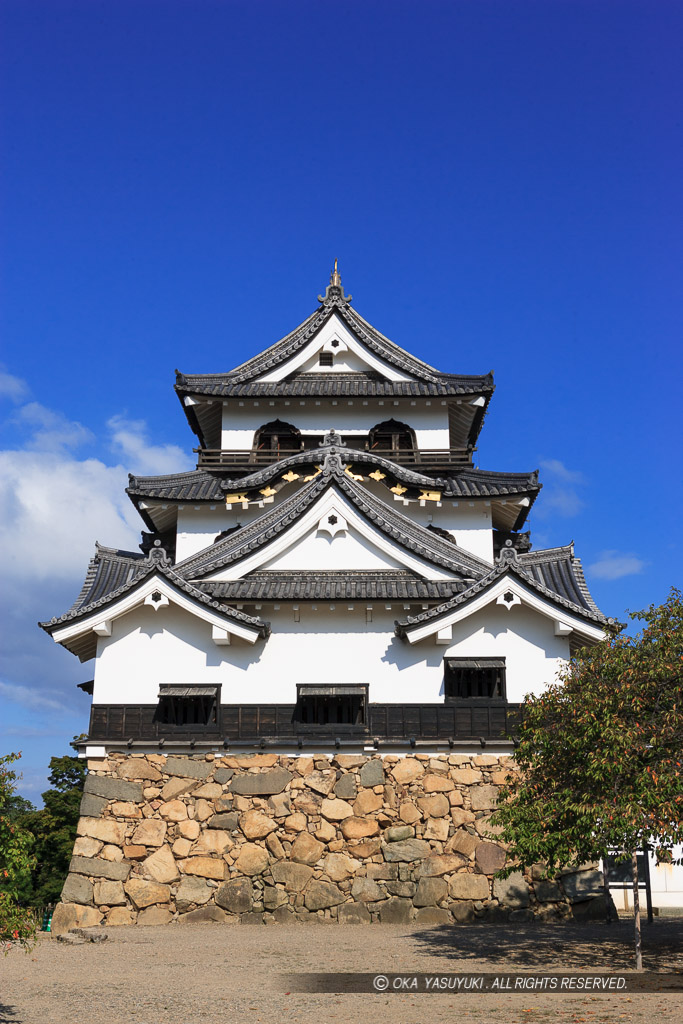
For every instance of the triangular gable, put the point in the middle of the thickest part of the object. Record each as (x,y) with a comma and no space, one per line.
(509,586)
(368,514)
(350,355)
(157,586)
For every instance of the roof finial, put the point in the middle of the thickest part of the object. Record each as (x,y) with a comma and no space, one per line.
(334,293)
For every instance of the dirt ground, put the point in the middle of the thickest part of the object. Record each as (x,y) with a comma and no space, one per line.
(196,974)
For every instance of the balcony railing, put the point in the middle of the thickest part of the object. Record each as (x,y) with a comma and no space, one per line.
(224,458)
(240,724)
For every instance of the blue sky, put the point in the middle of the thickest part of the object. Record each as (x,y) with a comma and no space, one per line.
(501,183)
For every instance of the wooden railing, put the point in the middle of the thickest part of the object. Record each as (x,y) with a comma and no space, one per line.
(277,724)
(224,458)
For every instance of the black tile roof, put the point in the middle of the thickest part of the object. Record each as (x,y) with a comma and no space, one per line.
(333,586)
(112,573)
(243,376)
(200,485)
(555,573)
(418,540)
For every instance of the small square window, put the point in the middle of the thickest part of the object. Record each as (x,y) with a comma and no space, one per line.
(472,678)
(331,705)
(326,359)
(187,706)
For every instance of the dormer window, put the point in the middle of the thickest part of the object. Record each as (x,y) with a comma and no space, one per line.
(472,678)
(326,359)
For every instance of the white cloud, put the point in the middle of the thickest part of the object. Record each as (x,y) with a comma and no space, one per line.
(559,471)
(12,387)
(130,440)
(613,565)
(51,431)
(560,495)
(30,698)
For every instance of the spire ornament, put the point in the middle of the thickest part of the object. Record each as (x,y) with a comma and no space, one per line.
(334,293)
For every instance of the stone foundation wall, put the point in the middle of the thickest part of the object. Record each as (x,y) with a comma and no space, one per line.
(268,838)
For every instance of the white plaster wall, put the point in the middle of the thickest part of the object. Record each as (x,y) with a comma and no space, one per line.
(328,645)
(468,521)
(318,550)
(533,654)
(347,416)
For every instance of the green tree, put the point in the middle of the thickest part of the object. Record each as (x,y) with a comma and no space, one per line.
(17,922)
(600,753)
(53,828)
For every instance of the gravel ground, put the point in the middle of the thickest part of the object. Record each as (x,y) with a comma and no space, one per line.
(201,973)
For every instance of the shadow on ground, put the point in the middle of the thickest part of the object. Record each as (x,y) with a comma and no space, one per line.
(8,1015)
(595,947)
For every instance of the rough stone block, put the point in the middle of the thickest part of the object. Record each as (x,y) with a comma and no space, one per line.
(150,833)
(465,776)
(489,858)
(359,828)
(345,788)
(274,898)
(192,890)
(235,896)
(463,912)
(294,877)
(188,767)
(321,782)
(366,802)
(256,825)
(440,864)
(252,859)
(223,775)
(306,849)
(261,784)
(366,849)
(320,895)
(92,806)
(211,842)
(96,868)
(547,891)
(353,913)
(280,805)
(462,842)
(435,806)
(407,770)
(145,894)
(398,832)
(396,911)
(436,784)
(77,889)
(155,916)
(173,810)
(409,813)
(160,866)
(465,886)
(582,885)
(372,773)
(336,810)
(105,829)
(399,888)
(86,847)
(74,915)
(138,768)
(119,917)
(339,867)
(112,789)
(483,798)
(125,809)
(407,850)
(366,890)
(228,820)
(178,787)
(430,891)
(437,828)
(512,891)
(109,894)
(205,867)
(349,761)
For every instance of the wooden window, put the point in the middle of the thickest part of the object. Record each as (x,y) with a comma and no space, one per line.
(391,436)
(330,705)
(326,359)
(471,678)
(188,706)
